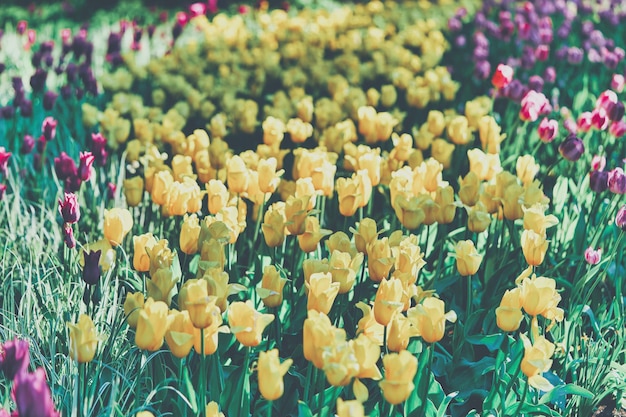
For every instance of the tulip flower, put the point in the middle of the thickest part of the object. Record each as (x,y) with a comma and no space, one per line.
(133,191)
(388,300)
(400,369)
(237,174)
(49,128)
(132,305)
(85,165)
(4,160)
(69,208)
(340,362)
(352,408)
(467,258)
(91,268)
(502,77)
(246,323)
(538,296)
(536,360)
(296,212)
(322,292)
(592,256)
(617,181)
(347,192)
(312,235)
(213,410)
(509,313)
(189,234)
(83,339)
(344,269)
(117,223)
(271,373)
(534,247)
(547,129)
(271,289)
(379,261)
(399,333)
(141,243)
(151,325)
(32,395)
(365,233)
(572,148)
(620,218)
(317,335)
(14,357)
(429,318)
(273,226)
(179,335)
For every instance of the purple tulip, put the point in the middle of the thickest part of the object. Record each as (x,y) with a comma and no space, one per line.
(28,144)
(68,236)
(84,168)
(65,167)
(4,160)
(49,128)
(14,357)
(598,181)
(49,98)
(91,270)
(32,395)
(572,148)
(620,218)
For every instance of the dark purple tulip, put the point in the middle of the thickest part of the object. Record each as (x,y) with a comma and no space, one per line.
(150,30)
(617,181)
(572,148)
(84,167)
(620,218)
(41,144)
(91,270)
(28,144)
(610,60)
(79,93)
(26,108)
(14,357)
(38,80)
(98,148)
(66,91)
(32,395)
(616,111)
(114,44)
(65,167)
(7,112)
(598,181)
(69,208)
(480,53)
(72,184)
(516,90)
(2,67)
(535,82)
(49,98)
(71,71)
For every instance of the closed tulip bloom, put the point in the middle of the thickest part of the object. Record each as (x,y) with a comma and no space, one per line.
(400,369)
(572,148)
(502,77)
(269,178)
(592,256)
(400,331)
(352,408)
(379,259)
(366,232)
(218,286)
(91,269)
(161,284)
(388,300)
(344,268)
(459,131)
(526,168)
(198,303)
(489,134)
(469,191)
(271,373)
(478,218)
(312,235)
(141,243)
(273,226)
(534,247)
(246,323)
(367,353)
(161,185)
(218,195)
(69,208)
(32,396)
(271,289)
(620,218)
(311,266)
(347,193)
(535,219)
(547,129)
(511,206)
(341,242)
(151,325)
(467,258)
(211,334)
(509,314)
(213,410)
(117,223)
(14,358)
(409,211)
(237,176)
(189,234)
(83,339)
(296,212)
(317,334)
(133,191)
(132,305)
(444,199)
(617,181)
(179,333)
(537,360)
(429,318)
(322,292)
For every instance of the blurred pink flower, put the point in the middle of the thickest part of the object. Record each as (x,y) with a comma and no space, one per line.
(593,256)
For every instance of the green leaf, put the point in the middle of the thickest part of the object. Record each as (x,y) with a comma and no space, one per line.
(567,389)
(441,411)
(490,341)
(189,389)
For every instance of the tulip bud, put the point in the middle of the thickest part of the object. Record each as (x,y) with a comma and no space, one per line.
(400,369)
(620,218)
(91,269)
(117,223)
(502,77)
(572,148)
(271,289)
(84,168)
(509,314)
(467,258)
(534,247)
(271,373)
(246,323)
(133,191)
(83,339)
(617,181)
(593,256)
(69,208)
(322,292)
(151,325)
(547,129)
(180,333)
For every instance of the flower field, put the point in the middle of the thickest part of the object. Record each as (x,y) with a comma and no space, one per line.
(381,208)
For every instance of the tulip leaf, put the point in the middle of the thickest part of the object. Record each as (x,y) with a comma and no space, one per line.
(441,411)
(562,390)
(490,341)
(189,389)
(304,410)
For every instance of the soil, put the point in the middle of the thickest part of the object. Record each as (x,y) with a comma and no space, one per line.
(607,409)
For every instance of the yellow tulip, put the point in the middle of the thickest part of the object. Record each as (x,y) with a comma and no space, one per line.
(467,258)
(117,224)
(246,323)
(537,360)
(321,292)
(312,235)
(83,339)
(340,362)
(538,296)
(534,247)
(271,289)
(368,325)
(350,408)
(133,191)
(273,226)
(237,176)
(151,325)
(469,191)
(478,218)
(379,259)
(400,369)
(161,284)
(367,354)
(296,211)
(179,333)
(317,334)
(388,300)
(429,318)
(365,233)
(344,269)
(141,260)
(271,373)
(213,410)
(399,332)
(189,234)
(132,305)
(218,286)
(509,314)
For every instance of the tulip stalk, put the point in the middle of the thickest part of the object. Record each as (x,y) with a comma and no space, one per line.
(202,376)
(470,297)
(246,380)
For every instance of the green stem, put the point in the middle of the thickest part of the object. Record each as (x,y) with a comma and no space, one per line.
(79,390)
(385,339)
(470,297)
(202,411)
(269,409)
(522,400)
(245,381)
(308,382)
